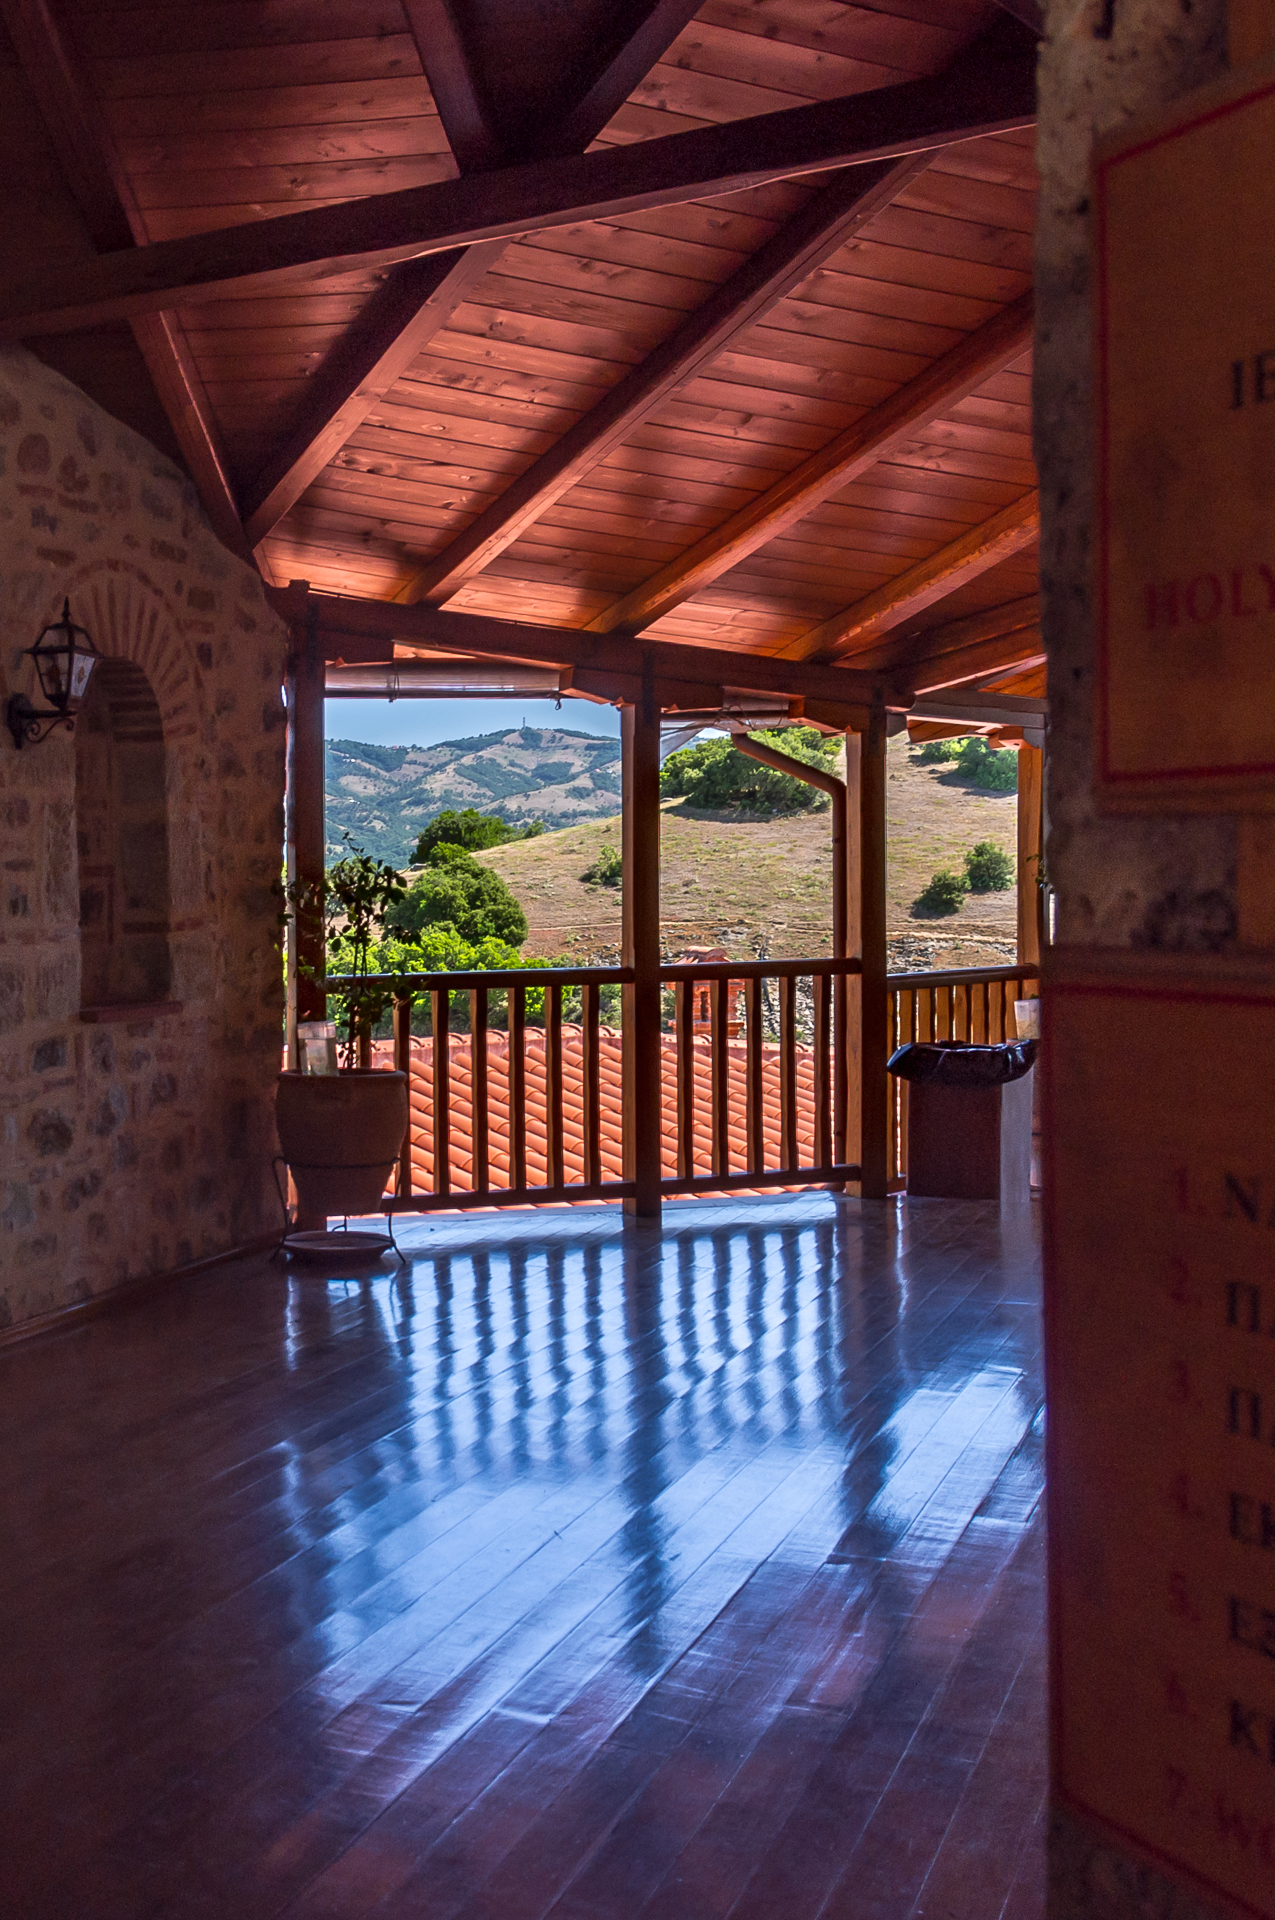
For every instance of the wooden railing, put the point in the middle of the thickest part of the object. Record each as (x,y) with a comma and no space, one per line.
(762,1077)
(524,1104)
(972,1004)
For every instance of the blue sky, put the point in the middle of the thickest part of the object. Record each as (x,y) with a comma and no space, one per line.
(423,723)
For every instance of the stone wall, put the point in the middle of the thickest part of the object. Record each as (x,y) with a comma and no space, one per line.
(135,1145)
(1163,883)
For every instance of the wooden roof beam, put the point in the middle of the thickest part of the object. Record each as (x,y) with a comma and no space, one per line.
(1023,648)
(988,624)
(989,90)
(85,151)
(934,578)
(418,297)
(354,630)
(949,379)
(825,223)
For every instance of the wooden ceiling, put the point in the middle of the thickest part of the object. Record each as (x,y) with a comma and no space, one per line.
(790,418)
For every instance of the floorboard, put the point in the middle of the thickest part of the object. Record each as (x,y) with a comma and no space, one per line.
(577,1569)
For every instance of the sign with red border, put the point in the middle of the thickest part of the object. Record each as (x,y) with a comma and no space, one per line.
(1185,376)
(1160,1251)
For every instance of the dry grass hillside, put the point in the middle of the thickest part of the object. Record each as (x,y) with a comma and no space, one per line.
(763,885)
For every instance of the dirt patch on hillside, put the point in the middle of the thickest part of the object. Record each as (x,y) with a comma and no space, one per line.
(763,885)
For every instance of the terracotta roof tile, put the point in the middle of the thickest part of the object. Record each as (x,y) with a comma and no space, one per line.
(460,1106)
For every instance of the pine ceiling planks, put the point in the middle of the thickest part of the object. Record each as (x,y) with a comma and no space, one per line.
(227,111)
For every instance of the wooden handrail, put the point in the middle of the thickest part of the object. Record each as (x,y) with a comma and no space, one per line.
(960,976)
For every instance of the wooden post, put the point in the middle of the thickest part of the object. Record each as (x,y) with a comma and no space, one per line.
(865,781)
(305,802)
(304,827)
(1031,898)
(640,747)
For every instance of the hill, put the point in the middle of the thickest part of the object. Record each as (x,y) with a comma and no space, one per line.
(384,795)
(764,884)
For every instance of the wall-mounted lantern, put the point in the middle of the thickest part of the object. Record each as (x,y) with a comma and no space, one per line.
(64,658)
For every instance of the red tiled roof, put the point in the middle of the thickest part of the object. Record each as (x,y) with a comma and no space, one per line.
(460,1106)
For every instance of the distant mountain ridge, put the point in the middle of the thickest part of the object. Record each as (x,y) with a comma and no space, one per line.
(382,796)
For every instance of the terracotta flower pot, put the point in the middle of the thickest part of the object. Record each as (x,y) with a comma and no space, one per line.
(340,1134)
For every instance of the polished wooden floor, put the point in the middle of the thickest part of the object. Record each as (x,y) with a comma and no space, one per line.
(580,1569)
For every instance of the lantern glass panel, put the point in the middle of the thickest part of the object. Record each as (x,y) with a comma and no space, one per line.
(82,665)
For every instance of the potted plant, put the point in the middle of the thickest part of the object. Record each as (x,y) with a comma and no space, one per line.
(341,1132)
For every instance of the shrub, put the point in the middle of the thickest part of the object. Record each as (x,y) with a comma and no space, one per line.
(993,768)
(944,892)
(607,870)
(930,752)
(715,774)
(455,891)
(471,830)
(988,868)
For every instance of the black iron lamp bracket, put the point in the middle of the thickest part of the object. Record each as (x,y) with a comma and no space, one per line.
(34,723)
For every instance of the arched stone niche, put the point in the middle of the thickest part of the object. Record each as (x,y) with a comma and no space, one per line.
(145,787)
(122,834)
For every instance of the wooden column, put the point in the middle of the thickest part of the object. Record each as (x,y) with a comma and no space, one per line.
(865,781)
(640,745)
(304,829)
(305,824)
(1031,898)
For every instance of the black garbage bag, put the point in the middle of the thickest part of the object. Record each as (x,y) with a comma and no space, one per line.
(951,1063)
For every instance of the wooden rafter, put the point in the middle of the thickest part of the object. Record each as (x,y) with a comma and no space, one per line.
(990,623)
(939,574)
(826,221)
(1022,648)
(973,361)
(418,297)
(463,106)
(354,630)
(984,92)
(398,321)
(99,186)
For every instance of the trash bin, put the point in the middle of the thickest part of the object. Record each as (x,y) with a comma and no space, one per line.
(969,1119)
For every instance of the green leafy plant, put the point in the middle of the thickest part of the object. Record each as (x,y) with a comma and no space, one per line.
(456,890)
(988,868)
(713,773)
(471,830)
(607,870)
(943,893)
(993,768)
(349,908)
(933,753)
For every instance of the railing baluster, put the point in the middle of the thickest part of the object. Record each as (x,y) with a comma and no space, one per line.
(478,1081)
(517,1002)
(753,1088)
(684,1042)
(440,1001)
(787,1073)
(590,1020)
(719,1010)
(403,1064)
(553,1084)
(840,1068)
(822,986)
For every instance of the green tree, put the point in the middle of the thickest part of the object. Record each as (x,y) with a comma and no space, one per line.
(471,830)
(715,774)
(993,768)
(932,753)
(943,892)
(455,891)
(988,868)
(607,870)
